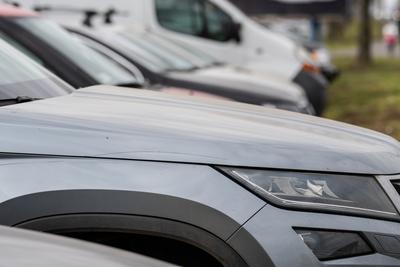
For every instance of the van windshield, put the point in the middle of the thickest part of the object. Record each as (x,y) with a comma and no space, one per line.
(98,66)
(22,77)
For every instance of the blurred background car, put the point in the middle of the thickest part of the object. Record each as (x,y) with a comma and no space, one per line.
(22,80)
(161,64)
(300,34)
(81,66)
(235,38)
(51,46)
(22,248)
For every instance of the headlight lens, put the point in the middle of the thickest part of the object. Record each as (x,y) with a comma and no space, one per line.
(353,194)
(328,245)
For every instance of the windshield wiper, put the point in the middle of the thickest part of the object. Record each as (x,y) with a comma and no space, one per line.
(131,84)
(191,69)
(17,100)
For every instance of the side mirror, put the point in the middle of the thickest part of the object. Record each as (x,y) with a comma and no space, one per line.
(223,31)
(236,33)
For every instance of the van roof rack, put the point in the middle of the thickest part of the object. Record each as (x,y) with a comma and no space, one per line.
(89,14)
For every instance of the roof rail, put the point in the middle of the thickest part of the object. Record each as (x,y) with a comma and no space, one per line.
(89,14)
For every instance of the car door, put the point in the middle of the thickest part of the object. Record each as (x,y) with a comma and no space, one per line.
(200,23)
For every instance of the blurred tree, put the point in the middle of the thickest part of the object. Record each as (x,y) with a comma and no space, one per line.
(336,29)
(364,56)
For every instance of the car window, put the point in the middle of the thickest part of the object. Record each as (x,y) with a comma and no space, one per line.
(99,67)
(217,22)
(21,48)
(184,16)
(195,17)
(21,76)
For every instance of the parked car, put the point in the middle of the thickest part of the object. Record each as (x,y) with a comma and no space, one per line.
(190,181)
(81,66)
(164,66)
(22,248)
(318,52)
(216,27)
(123,39)
(54,48)
(23,81)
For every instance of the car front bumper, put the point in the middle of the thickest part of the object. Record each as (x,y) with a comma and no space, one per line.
(314,86)
(276,243)
(331,73)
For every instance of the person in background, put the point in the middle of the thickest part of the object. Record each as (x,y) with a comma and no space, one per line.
(390,33)
(316,29)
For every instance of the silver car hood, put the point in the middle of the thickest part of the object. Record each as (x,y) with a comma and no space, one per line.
(121,123)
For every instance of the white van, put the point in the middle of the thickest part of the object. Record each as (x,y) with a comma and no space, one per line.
(216,27)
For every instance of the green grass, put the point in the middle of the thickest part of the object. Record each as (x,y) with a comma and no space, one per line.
(367,96)
(350,35)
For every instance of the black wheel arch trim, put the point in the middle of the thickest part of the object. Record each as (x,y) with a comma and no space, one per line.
(50,203)
(143,225)
(43,209)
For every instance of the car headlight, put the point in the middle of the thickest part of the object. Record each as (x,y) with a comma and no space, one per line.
(353,194)
(309,64)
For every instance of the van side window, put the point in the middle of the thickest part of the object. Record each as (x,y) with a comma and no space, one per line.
(218,23)
(185,16)
(195,17)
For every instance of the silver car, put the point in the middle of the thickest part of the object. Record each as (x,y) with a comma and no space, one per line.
(193,182)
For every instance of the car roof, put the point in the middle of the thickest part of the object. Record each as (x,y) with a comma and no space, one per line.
(12,11)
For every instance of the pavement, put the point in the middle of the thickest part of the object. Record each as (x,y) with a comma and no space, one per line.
(378,50)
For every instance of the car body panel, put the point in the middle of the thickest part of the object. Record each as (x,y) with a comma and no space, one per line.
(105,121)
(275,88)
(11,11)
(193,194)
(282,237)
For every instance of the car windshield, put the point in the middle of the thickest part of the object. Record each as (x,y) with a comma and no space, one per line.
(169,59)
(22,77)
(101,68)
(197,57)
